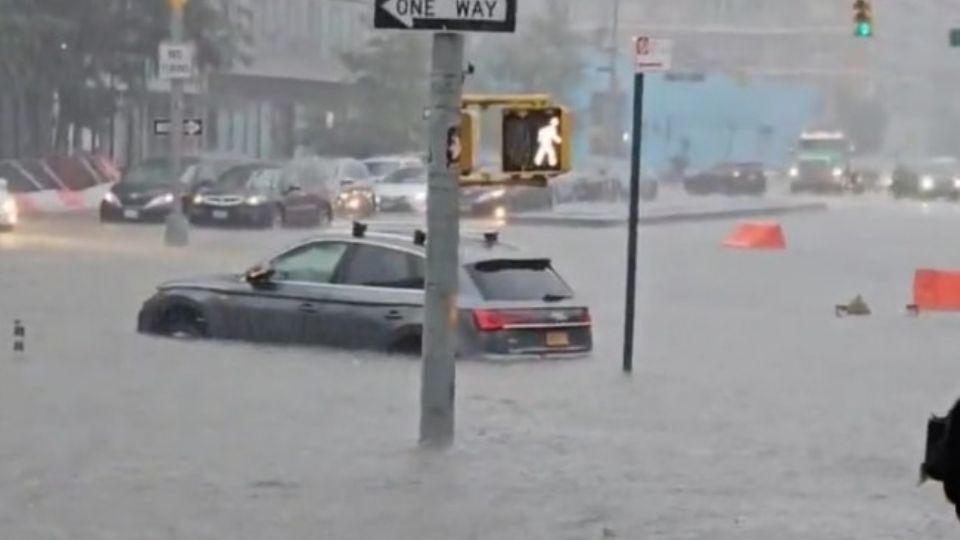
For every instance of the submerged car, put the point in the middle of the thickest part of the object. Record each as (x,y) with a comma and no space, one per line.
(934,179)
(8,208)
(404,190)
(744,178)
(366,291)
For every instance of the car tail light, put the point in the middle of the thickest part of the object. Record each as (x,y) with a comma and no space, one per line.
(489,320)
(494,320)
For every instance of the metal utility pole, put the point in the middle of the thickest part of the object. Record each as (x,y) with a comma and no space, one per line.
(443,243)
(177,232)
(633,223)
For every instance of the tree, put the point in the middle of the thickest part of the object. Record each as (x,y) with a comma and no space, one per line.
(544,57)
(78,53)
(388,96)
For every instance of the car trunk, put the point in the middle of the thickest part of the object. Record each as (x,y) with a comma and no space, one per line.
(527,310)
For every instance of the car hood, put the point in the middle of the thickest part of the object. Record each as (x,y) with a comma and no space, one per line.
(143,191)
(215,281)
(228,192)
(401,190)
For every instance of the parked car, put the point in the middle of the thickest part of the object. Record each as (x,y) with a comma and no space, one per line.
(381,167)
(731,178)
(404,190)
(365,291)
(9,215)
(937,178)
(500,201)
(146,192)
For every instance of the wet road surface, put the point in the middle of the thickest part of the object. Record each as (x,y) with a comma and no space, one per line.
(753,413)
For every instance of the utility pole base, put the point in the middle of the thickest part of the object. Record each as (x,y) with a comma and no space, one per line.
(177,231)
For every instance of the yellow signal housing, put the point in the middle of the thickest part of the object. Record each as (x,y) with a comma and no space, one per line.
(469,138)
(537,140)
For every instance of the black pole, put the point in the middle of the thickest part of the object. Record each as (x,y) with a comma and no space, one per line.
(634,224)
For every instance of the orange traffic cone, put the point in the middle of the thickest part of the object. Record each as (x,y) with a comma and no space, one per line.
(935,290)
(757,235)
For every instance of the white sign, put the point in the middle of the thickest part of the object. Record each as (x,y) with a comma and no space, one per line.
(411,13)
(652,55)
(176,61)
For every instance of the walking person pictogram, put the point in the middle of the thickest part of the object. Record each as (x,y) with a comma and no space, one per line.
(547,139)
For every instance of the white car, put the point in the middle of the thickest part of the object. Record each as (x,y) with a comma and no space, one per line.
(404,190)
(8,208)
(383,166)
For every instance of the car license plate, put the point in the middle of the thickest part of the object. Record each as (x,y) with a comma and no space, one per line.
(558,339)
(220,214)
(131,214)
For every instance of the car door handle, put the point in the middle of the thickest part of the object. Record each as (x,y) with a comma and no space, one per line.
(308,308)
(393,315)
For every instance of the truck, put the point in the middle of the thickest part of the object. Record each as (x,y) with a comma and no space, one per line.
(823,163)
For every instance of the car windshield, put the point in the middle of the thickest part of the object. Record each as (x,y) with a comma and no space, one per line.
(151,173)
(382,167)
(518,280)
(245,177)
(416,175)
(939,167)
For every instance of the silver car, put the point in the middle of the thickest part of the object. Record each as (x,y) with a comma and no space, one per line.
(365,291)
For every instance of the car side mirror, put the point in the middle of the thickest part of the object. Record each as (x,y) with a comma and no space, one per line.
(259,275)
(292,188)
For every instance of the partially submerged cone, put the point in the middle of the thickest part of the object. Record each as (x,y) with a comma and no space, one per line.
(935,290)
(856,307)
(757,235)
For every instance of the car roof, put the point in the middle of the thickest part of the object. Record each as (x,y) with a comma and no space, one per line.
(473,247)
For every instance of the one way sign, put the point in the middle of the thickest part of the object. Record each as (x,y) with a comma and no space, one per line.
(452,15)
(192,127)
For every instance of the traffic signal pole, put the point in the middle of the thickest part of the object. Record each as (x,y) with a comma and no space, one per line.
(176,232)
(443,241)
(633,223)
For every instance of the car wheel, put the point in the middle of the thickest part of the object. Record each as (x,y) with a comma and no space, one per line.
(183,323)
(410,346)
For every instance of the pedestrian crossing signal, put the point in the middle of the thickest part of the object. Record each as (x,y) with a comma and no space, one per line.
(536,140)
(862,19)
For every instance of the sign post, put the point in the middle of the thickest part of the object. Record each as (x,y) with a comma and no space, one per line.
(176,61)
(438,384)
(651,55)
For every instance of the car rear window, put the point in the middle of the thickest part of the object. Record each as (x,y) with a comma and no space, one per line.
(533,279)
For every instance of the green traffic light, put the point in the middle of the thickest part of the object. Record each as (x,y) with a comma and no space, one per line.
(863,29)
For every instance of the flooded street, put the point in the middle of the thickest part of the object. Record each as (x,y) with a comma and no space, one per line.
(753,413)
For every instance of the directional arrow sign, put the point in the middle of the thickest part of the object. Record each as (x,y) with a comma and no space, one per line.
(191,127)
(453,15)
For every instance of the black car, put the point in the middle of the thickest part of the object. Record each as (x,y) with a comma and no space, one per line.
(499,201)
(365,291)
(743,178)
(933,179)
(144,193)
(255,194)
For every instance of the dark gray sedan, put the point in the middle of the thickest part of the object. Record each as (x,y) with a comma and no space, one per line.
(365,291)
